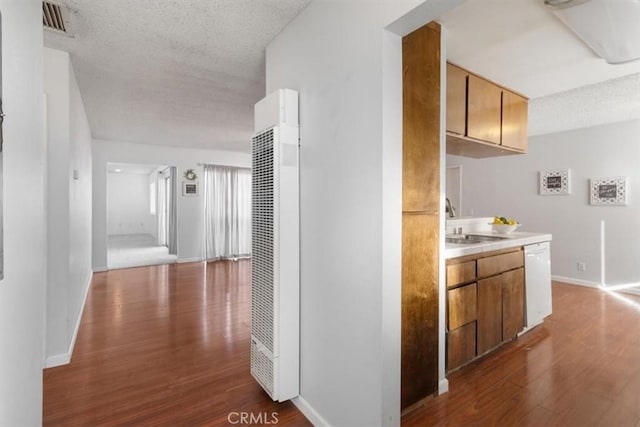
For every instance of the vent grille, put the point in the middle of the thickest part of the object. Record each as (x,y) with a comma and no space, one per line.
(55,17)
(262,277)
(262,367)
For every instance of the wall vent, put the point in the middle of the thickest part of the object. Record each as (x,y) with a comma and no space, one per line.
(56,18)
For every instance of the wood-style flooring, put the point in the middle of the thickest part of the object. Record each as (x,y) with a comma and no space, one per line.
(164,346)
(169,345)
(580,368)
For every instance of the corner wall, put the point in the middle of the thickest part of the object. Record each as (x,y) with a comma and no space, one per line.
(190,209)
(68,206)
(22,291)
(508,186)
(347,69)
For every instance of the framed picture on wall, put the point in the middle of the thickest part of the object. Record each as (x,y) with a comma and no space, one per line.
(608,191)
(555,182)
(189,188)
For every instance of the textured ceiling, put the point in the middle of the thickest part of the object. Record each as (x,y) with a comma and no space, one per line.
(173,72)
(188,72)
(612,101)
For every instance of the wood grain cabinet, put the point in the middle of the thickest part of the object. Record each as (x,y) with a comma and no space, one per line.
(485,303)
(483,119)
(484,110)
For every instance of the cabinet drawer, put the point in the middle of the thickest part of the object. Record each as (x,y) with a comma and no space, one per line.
(461,273)
(462,305)
(461,345)
(497,264)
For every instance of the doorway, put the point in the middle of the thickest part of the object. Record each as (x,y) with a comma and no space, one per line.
(141,215)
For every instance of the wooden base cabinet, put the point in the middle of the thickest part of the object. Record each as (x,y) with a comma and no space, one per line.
(489,313)
(512,303)
(485,304)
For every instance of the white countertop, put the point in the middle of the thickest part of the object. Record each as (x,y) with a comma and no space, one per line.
(517,238)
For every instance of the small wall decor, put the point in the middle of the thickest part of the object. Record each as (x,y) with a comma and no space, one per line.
(555,182)
(608,191)
(190,174)
(189,188)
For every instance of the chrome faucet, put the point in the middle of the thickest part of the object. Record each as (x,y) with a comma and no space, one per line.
(450,209)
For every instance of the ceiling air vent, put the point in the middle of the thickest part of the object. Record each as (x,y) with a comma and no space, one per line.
(56,18)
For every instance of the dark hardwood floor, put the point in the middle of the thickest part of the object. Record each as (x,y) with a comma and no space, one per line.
(169,345)
(580,368)
(164,346)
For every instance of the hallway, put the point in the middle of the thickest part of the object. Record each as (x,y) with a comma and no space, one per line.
(162,345)
(136,250)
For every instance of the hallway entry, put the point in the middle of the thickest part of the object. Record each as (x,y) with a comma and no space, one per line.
(141,215)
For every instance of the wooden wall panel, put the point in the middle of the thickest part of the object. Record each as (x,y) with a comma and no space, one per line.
(421,121)
(420,217)
(419,374)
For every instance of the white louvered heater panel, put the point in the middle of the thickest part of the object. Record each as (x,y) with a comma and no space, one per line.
(275,309)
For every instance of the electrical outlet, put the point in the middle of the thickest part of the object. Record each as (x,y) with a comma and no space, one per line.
(582,266)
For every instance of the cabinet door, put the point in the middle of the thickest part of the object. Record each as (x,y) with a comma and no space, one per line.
(461,345)
(489,313)
(514,121)
(512,303)
(484,110)
(456,99)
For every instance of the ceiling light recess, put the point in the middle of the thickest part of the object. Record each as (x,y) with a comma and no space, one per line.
(609,27)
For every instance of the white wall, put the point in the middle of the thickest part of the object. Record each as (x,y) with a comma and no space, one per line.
(68,205)
(128,199)
(190,209)
(22,292)
(509,186)
(348,72)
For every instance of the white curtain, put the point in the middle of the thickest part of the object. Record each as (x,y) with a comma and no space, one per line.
(227,205)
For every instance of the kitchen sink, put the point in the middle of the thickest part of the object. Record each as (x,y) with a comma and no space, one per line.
(469,239)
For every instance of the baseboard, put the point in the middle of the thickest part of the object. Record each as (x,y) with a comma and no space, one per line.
(57,360)
(443,386)
(629,291)
(573,281)
(185,260)
(309,412)
(65,358)
(100,269)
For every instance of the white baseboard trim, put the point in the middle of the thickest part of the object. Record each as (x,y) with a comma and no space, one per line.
(65,358)
(57,360)
(579,282)
(629,291)
(185,260)
(309,412)
(573,281)
(100,269)
(443,386)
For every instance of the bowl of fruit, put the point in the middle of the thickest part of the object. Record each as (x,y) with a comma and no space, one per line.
(502,225)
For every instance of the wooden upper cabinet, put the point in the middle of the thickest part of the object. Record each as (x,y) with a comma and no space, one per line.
(484,110)
(483,118)
(456,99)
(514,120)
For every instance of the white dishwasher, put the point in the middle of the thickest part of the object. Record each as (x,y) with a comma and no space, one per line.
(537,283)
